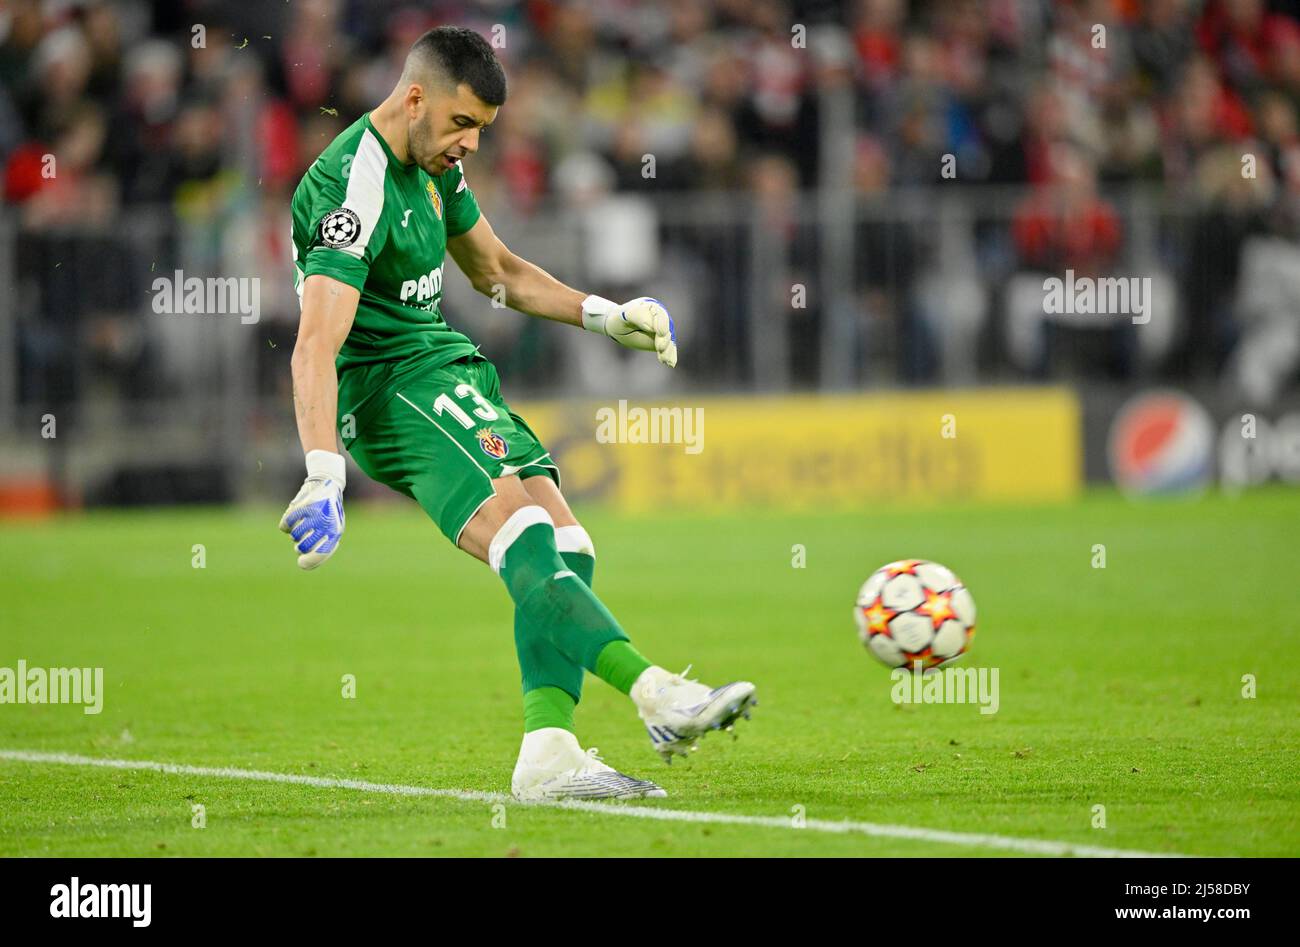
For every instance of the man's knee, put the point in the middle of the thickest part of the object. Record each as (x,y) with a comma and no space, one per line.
(493,515)
(510,498)
(521,519)
(569,534)
(546,494)
(501,520)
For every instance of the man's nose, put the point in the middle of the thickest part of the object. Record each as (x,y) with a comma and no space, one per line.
(469,141)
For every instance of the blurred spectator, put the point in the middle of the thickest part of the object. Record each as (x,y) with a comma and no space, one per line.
(1063,226)
(994,82)
(74,192)
(707,97)
(1249,45)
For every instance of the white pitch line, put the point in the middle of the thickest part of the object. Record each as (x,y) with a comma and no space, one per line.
(970,839)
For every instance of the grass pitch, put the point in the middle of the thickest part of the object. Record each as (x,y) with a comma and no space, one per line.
(1119,686)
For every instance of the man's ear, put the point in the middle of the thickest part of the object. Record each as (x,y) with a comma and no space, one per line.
(414,99)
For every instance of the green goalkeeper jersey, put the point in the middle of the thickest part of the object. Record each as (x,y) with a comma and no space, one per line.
(365,219)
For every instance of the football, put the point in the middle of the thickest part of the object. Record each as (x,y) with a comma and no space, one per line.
(913,611)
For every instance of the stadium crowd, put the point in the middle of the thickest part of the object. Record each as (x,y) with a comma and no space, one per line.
(214,109)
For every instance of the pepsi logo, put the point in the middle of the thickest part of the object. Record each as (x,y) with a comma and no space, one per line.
(1161,443)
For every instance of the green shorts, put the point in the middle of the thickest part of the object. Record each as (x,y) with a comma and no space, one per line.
(443,437)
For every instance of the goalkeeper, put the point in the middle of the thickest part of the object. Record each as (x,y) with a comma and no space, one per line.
(373,218)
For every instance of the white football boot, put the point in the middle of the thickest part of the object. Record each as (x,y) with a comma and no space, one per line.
(677,711)
(553,766)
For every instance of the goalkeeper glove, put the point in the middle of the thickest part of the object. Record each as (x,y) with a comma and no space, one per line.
(315,517)
(643,324)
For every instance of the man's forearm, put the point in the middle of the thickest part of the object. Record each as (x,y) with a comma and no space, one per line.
(328,309)
(315,394)
(314,518)
(530,289)
(643,323)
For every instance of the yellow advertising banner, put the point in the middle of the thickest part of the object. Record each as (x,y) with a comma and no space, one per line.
(791,452)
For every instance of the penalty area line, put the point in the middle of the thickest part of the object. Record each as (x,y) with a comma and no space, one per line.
(1007,843)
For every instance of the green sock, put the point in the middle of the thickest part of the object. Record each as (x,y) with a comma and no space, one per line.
(559,610)
(539,663)
(548,707)
(620,664)
(582,564)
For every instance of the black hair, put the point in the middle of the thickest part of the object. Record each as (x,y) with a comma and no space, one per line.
(461,55)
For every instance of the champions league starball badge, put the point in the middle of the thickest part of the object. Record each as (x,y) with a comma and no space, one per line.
(340,228)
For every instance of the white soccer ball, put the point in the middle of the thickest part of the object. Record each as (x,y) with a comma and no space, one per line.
(915,611)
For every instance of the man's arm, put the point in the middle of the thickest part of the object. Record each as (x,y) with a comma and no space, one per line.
(328,309)
(489,264)
(315,517)
(642,323)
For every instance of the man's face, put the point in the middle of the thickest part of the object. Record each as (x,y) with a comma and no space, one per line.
(444,126)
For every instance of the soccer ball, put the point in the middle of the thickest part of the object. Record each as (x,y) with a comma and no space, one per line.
(913,610)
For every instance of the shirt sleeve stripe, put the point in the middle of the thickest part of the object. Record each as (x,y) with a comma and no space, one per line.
(365,194)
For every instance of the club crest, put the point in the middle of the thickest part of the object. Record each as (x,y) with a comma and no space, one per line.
(435,198)
(493,444)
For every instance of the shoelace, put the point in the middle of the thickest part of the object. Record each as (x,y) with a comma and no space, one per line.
(673,680)
(593,757)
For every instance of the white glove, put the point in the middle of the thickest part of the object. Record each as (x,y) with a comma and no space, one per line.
(315,517)
(642,324)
